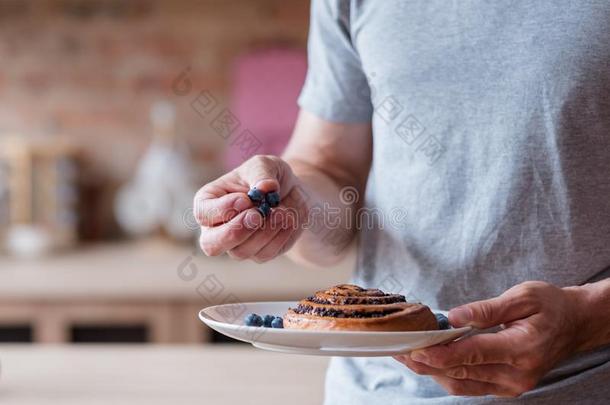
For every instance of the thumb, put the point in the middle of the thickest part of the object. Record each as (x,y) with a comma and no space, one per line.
(266,173)
(489,313)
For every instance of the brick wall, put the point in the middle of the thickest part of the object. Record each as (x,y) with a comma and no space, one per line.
(90,69)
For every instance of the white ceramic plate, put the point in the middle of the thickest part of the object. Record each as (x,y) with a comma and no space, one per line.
(228,320)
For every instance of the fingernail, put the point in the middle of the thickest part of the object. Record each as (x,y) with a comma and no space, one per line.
(242,204)
(460,315)
(419,356)
(252,219)
(266,184)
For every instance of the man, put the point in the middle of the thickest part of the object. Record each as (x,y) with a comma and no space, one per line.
(489,124)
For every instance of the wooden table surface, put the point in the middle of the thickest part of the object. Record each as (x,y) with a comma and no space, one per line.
(151,375)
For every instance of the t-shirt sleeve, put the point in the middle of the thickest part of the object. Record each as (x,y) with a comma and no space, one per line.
(335,87)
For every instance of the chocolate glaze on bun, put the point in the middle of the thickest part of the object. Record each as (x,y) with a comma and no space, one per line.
(350,307)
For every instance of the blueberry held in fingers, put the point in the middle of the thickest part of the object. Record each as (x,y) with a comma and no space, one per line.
(264,209)
(253,320)
(443,322)
(255,195)
(273,199)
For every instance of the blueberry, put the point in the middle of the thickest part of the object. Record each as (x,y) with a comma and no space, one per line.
(273,199)
(256,195)
(253,320)
(264,209)
(267,320)
(277,322)
(443,322)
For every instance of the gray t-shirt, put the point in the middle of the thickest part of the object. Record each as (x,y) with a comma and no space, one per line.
(491,133)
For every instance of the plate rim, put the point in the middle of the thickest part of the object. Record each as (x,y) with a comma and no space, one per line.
(208,320)
(330,352)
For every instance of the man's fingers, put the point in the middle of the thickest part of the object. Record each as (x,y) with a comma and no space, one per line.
(417,367)
(268,242)
(459,386)
(505,379)
(224,210)
(500,374)
(273,248)
(472,388)
(288,219)
(220,200)
(487,348)
(255,242)
(264,172)
(266,185)
(214,211)
(218,239)
(516,303)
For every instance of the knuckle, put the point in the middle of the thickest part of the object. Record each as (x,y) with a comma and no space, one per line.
(238,254)
(258,260)
(460,373)
(265,160)
(527,292)
(485,312)
(200,216)
(254,160)
(265,257)
(417,368)
(438,359)
(527,295)
(198,210)
(476,357)
(530,289)
(438,362)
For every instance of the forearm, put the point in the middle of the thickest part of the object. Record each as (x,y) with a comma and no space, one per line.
(593,301)
(329,226)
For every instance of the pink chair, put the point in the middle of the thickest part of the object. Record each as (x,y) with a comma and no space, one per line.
(266,85)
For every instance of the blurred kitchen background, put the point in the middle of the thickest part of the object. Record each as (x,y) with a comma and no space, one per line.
(112,114)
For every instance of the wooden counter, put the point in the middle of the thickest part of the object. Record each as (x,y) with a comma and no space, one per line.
(155,269)
(150,375)
(154,283)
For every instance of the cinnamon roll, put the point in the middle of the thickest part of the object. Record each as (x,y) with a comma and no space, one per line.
(350,307)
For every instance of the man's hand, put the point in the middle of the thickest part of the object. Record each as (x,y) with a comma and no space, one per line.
(231,224)
(540,324)
(321,159)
